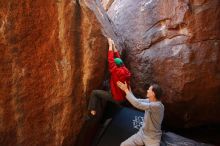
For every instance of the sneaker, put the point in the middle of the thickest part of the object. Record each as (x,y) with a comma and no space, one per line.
(89,116)
(93,112)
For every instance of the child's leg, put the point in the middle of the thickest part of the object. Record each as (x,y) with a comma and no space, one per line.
(96,97)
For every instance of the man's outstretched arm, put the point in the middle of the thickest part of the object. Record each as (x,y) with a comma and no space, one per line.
(132,99)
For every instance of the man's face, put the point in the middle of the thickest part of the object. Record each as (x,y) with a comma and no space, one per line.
(150,93)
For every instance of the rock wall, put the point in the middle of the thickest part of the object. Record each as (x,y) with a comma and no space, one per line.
(52,54)
(106,4)
(176,44)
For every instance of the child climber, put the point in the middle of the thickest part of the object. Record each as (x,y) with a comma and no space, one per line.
(118,72)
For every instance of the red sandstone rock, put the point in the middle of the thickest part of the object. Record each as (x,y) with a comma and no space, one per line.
(177,44)
(52,54)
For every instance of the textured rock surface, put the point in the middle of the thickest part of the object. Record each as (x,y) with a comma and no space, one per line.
(177,44)
(53,54)
(50,58)
(107,26)
(106,4)
(169,138)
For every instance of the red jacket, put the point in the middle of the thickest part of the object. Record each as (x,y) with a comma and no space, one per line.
(117,74)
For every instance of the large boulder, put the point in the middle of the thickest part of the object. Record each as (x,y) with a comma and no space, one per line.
(170,138)
(176,44)
(52,55)
(106,4)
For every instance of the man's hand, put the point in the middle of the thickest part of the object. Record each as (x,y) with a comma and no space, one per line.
(123,86)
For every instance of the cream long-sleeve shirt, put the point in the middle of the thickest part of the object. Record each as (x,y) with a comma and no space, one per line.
(153,117)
